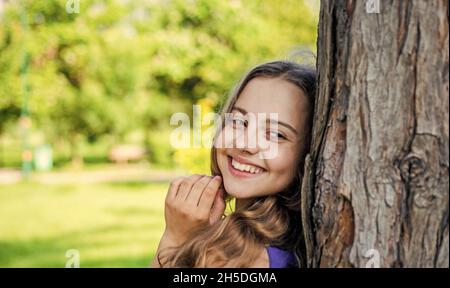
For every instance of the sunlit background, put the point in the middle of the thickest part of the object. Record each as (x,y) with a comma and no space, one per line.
(85,104)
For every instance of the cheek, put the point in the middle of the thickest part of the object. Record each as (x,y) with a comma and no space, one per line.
(284,164)
(225,138)
(221,158)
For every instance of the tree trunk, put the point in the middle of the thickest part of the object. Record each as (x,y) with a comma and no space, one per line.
(376,185)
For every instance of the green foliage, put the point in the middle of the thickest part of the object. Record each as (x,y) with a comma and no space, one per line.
(159,149)
(121,66)
(193,160)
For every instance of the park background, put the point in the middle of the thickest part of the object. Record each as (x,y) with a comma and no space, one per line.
(85,104)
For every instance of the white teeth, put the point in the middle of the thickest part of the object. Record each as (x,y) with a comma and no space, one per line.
(245,167)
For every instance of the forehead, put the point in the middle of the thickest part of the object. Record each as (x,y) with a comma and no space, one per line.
(275,95)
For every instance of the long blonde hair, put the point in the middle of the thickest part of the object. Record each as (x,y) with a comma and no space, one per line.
(273,220)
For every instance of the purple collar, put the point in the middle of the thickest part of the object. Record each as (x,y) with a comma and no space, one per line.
(279,258)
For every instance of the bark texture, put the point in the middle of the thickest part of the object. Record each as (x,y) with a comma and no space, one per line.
(376,185)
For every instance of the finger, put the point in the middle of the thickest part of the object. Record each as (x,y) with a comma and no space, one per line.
(207,198)
(197,189)
(185,186)
(218,207)
(173,188)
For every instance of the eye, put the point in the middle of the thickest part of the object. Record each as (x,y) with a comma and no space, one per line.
(238,123)
(275,135)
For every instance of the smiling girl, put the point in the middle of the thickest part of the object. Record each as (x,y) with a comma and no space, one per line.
(264,230)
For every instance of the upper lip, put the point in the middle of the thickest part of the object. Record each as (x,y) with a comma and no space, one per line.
(244,161)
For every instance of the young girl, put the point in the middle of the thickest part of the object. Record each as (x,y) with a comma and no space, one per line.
(264,230)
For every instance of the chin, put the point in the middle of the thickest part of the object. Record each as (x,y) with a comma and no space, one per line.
(231,188)
(240,190)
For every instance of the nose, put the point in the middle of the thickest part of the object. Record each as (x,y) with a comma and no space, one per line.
(251,149)
(248,141)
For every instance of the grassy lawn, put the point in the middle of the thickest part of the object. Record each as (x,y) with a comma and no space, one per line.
(111,225)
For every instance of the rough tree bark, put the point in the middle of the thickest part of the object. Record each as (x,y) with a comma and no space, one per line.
(377,176)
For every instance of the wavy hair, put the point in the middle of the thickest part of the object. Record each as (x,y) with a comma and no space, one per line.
(275,220)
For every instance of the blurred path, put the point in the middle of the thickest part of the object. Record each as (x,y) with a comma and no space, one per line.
(9,176)
(113,173)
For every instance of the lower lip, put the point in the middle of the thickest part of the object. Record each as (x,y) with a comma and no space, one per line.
(241,174)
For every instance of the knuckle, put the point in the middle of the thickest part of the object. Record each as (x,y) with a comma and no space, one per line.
(169,203)
(201,175)
(199,217)
(176,182)
(210,190)
(176,205)
(198,177)
(183,185)
(190,180)
(206,179)
(183,212)
(171,208)
(201,183)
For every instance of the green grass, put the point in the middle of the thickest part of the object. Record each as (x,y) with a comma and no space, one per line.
(111,225)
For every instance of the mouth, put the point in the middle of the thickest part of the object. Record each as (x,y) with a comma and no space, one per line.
(243,170)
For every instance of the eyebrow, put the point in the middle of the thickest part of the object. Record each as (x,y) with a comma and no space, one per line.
(243,111)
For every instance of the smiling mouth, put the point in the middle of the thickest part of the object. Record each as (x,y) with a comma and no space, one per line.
(243,170)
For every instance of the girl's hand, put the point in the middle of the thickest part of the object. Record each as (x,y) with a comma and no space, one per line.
(191,203)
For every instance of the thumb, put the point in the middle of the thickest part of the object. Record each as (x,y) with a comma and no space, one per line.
(218,207)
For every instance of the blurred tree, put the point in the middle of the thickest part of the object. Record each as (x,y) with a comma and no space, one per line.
(119,67)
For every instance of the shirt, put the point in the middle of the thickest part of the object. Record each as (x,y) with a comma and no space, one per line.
(279,258)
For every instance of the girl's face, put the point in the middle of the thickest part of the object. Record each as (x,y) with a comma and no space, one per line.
(246,171)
